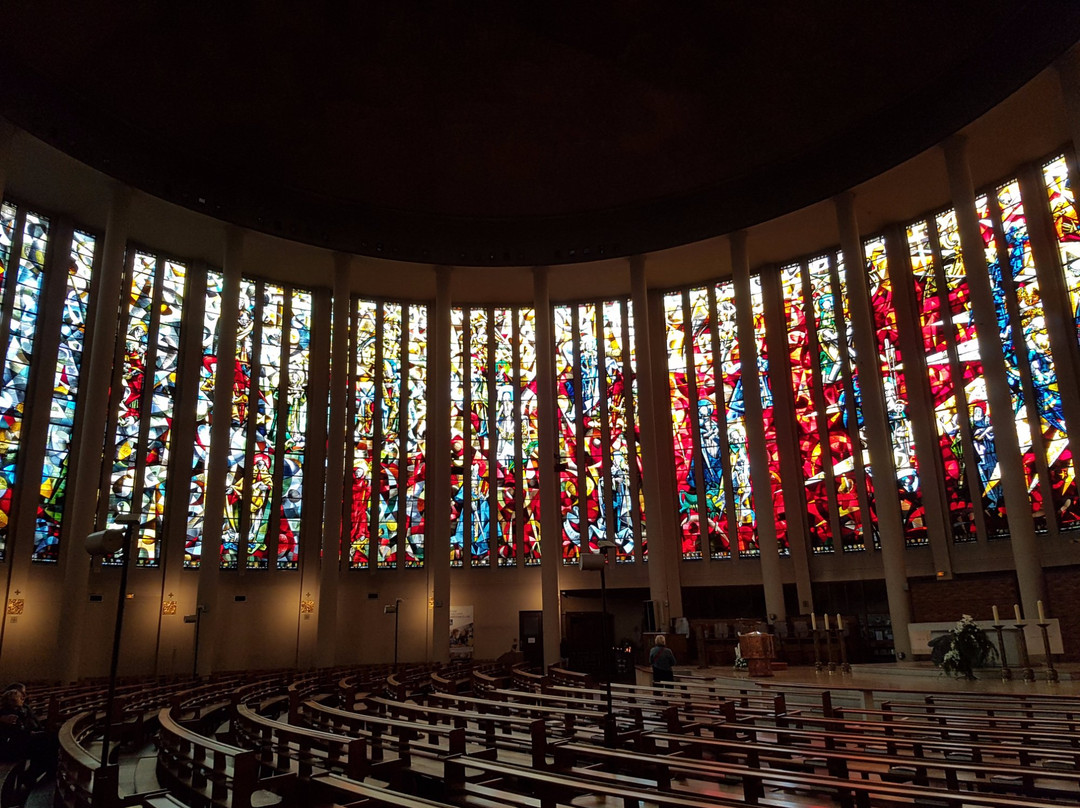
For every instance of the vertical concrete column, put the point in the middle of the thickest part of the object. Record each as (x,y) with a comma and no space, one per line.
(924,430)
(311,526)
(790,462)
(550,529)
(1025,550)
(88,456)
(664,559)
(437,495)
(326,642)
(755,430)
(208,603)
(890,522)
(7,135)
(1068,70)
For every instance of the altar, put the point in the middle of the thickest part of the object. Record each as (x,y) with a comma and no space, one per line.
(922,633)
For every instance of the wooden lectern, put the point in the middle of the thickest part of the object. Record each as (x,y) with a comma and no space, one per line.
(759,650)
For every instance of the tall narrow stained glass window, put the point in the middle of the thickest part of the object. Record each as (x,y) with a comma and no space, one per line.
(494,442)
(953,364)
(527,408)
(204,403)
(65,390)
(269,419)
(384,499)
(842,414)
(698,425)
(24,238)
(705,368)
(1039,415)
(812,439)
(145,396)
(598,459)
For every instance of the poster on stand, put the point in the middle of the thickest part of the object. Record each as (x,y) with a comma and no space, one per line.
(461,632)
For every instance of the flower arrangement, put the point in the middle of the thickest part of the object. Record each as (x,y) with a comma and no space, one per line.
(963,649)
(741,662)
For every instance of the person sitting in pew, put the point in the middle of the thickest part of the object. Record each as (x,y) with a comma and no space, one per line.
(662,660)
(24,735)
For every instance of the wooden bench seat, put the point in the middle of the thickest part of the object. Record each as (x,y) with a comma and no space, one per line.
(204,771)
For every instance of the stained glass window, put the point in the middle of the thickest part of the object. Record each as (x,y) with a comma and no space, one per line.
(204,404)
(1041,427)
(504,435)
(494,439)
(621,427)
(812,445)
(54,476)
(362,408)
(905,461)
(1066,226)
(598,456)
(953,364)
(415,437)
(841,428)
(151,324)
(768,414)
(24,238)
(528,413)
(384,499)
(729,370)
(269,419)
(679,378)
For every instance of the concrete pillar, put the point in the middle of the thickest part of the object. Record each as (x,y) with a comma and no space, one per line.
(7,135)
(208,605)
(760,478)
(437,531)
(890,522)
(791,464)
(326,643)
(920,399)
(315,479)
(1025,550)
(550,527)
(664,558)
(1068,70)
(86,462)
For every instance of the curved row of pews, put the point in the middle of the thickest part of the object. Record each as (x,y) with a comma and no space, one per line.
(487,735)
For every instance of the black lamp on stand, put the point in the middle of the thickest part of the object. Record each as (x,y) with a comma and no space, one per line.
(394,609)
(103,543)
(592,562)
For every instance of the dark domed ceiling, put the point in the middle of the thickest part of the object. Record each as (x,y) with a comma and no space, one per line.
(510,133)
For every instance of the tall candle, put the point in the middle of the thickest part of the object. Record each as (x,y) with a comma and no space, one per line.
(1042,614)
(1016,608)
(813,621)
(826,621)
(839,622)
(997,618)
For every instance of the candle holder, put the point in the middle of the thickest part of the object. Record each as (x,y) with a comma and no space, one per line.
(1051,673)
(844,666)
(1028,675)
(1006,674)
(828,650)
(817,651)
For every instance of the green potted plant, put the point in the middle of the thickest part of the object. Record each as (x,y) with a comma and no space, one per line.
(963,649)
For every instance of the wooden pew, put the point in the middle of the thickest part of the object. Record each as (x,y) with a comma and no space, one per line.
(203,771)
(757,781)
(939,772)
(378,730)
(491,731)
